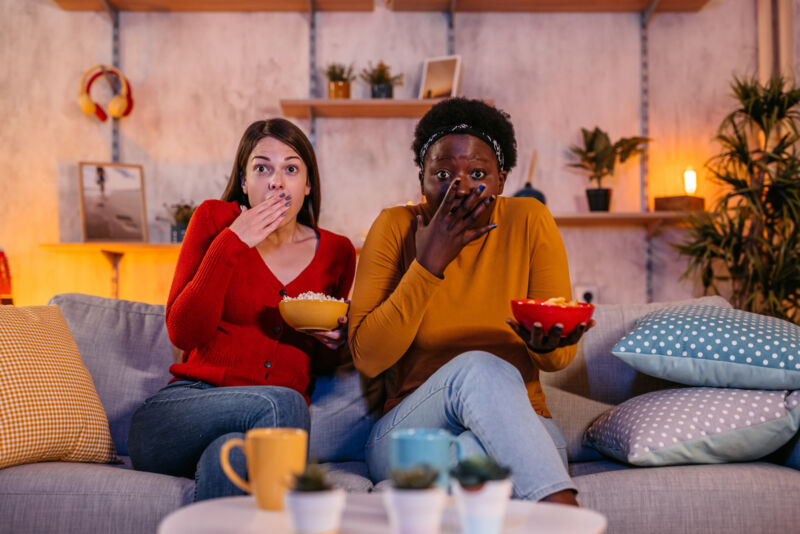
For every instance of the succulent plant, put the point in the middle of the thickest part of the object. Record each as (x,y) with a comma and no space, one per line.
(339,72)
(380,75)
(314,478)
(473,472)
(180,213)
(420,476)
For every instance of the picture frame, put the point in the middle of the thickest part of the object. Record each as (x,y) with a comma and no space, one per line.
(112,202)
(441,77)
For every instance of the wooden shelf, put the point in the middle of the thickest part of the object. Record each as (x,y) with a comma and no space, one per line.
(374,108)
(653,220)
(110,246)
(551,6)
(218,5)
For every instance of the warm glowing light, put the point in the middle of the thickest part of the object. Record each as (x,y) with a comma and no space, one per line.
(689,181)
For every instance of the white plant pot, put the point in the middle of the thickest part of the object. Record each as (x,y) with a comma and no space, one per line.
(482,511)
(315,512)
(415,511)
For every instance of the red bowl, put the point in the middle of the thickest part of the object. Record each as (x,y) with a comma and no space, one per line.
(529,311)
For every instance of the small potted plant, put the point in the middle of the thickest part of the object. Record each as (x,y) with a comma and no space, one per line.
(339,78)
(179,215)
(413,502)
(482,489)
(599,156)
(313,504)
(380,80)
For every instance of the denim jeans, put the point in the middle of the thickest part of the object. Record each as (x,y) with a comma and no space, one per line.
(482,400)
(180,430)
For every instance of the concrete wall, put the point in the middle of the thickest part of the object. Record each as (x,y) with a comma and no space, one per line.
(200,78)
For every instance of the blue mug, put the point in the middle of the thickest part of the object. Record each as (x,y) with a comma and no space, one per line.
(414,446)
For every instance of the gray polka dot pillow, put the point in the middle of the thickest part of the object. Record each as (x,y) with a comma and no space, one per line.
(696,425)
(701,345)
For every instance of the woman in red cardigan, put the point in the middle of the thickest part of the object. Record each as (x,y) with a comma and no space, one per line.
(243,367)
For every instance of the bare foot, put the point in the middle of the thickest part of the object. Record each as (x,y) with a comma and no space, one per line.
(562,497)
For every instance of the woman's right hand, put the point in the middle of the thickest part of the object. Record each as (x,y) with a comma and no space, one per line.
(441,240)
(255,224)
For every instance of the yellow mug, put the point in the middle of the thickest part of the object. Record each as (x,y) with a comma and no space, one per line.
(273,456)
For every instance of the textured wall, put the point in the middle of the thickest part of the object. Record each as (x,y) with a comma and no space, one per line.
(200,78)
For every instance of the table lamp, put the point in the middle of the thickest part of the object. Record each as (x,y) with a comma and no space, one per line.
(685,202)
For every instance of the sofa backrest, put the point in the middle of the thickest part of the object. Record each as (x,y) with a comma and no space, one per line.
(125,346)
(596,379)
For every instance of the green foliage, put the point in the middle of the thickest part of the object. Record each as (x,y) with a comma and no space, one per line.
(420,476)
(473,472)
(749,240)
(179,214)
(380,75)
(314,478)
(338,72)
(599,156)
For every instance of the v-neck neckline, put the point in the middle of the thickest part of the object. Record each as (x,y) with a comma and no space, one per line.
(260,258)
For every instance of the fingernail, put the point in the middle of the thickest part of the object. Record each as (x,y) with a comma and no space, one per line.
(481,188)
(493,226)
(283,214)
(288,197)
(282,195)
(492,198)
(288,204)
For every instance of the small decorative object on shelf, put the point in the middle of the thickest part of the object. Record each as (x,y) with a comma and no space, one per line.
(179,215)
(313,504)
(528,190)
(482,489)
(414,504)
(599,157)
(381,80)
(685,202)
(339,78)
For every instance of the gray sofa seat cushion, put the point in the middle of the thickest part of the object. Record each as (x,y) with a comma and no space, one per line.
(125,346)
(350,476)
(70,498)
(701,499)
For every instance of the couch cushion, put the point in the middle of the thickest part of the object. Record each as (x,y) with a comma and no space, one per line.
(78,498)
(596,379)
(126,349)
(49,409)
(350,476)
(696,425)
(700,499)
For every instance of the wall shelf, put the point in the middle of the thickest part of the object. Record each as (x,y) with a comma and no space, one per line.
(652,220)
(367,108)
(551,6)
(218,5)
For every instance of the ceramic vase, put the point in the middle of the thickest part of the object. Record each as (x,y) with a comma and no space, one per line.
(413,511)
(481,511)
(338,89)
(315,512)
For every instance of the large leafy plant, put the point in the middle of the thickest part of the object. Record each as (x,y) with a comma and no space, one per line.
(749,241)
(599,155)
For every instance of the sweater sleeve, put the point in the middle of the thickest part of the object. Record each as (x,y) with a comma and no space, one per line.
(388,304)
(205,265)
(549,277)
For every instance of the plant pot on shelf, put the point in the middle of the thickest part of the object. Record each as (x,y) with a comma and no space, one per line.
(176,232)
(338,89)
(415,511)
(382,90)
(481,510)
(599,199)
(315,512)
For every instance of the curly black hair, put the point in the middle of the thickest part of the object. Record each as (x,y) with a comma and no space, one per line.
(475,113)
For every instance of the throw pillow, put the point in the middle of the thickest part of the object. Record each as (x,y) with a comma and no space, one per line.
(49,409)
(714,346)
(696,425)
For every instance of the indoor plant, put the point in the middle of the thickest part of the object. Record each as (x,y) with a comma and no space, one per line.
(749,240)
(413,502)
(482,489)
(380,80)
(314,506)
(179,215)
(599,156)
(339,78)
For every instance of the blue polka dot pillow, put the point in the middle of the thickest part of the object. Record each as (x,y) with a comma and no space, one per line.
(696,425)
(700,345)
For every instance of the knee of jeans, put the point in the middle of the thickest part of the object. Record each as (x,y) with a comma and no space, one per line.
(481,366)
(210,459)
(282,407)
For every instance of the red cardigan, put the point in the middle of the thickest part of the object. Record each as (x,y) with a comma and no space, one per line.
(223,306)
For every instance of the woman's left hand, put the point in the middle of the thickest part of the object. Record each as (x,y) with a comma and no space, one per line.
(333,339)
(540,341)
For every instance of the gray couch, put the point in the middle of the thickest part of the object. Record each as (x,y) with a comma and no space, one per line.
(126,349)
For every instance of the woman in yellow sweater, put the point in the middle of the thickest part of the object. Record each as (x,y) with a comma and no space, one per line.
(432,299)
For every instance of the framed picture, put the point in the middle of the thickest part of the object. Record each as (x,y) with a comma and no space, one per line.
(112,202)
(441,77)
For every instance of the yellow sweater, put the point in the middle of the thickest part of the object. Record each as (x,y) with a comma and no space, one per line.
(406,323)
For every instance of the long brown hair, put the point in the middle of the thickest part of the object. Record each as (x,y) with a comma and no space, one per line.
(285,132)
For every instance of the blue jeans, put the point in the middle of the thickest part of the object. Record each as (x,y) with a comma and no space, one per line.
(180,430)
(481,399)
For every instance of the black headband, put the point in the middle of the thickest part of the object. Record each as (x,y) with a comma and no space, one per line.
(462,129)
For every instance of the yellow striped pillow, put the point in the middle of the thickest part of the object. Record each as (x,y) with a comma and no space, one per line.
(49,409)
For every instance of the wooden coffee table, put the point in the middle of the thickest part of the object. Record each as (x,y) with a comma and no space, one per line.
(365,514)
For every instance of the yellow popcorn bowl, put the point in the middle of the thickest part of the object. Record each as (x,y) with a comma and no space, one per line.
(307,315)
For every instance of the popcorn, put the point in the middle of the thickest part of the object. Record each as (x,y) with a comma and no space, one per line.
(311,295)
